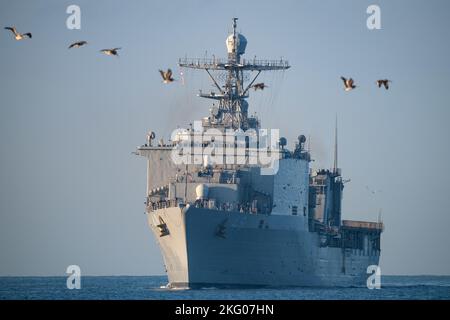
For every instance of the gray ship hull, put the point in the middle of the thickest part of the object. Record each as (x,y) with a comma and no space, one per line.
(222,248)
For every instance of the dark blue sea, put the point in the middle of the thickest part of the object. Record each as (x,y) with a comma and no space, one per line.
(153,288)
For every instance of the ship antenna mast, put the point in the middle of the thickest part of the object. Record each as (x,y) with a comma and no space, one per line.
(232,110)
(234,36)
(335,165)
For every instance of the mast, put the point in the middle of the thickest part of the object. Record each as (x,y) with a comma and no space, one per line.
(232,110)
(335,165)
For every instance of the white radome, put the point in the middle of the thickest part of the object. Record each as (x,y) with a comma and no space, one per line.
(240,45)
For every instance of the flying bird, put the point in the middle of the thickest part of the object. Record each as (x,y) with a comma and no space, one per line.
(259,86)
(111,52)
(78,44)
(167,76)
(17,35)
(383,82)
(348,84)
(372,191)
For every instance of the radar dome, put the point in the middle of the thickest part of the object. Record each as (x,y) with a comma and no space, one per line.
(241,43)
(202,191)
(301,139)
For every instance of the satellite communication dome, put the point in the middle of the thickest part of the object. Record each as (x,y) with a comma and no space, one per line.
(301,139)
(202,191)
(241,43)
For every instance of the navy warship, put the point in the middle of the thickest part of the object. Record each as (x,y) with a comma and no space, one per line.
(230,205)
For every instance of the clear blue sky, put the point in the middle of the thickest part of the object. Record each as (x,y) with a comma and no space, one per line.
(71,192)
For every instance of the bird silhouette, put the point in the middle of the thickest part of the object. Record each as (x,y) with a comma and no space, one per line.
(348,84)
(259,86)
(111,52)
(78,44)
(167,76)
(383,82)
(372,191)
(17,35)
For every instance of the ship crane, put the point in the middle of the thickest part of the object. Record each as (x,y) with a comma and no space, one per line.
(232,109)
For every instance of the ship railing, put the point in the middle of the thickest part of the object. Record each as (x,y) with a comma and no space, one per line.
(230,206)
(224,206)
(363,224)
(201,62)
(266,63)
(163,204)
(221,64)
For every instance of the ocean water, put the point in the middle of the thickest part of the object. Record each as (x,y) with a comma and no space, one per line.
(153,288)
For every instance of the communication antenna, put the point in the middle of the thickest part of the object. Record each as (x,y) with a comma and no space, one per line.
(335,165)
(309,143)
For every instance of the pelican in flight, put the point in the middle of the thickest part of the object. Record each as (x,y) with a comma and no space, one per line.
(17,35)
(348,84)
(111,52)
(167,76)
(383,82)
(259,86)
(78,44)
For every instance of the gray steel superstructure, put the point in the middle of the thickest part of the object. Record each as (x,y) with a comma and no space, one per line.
(228,206)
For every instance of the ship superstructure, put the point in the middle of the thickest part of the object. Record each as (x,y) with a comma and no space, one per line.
(230,204)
